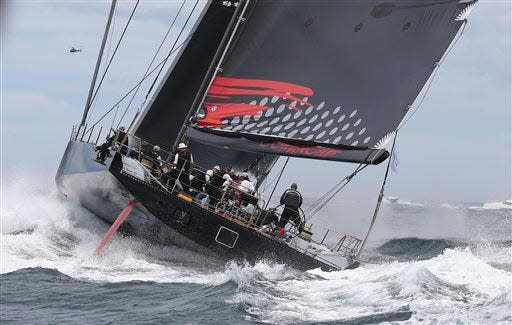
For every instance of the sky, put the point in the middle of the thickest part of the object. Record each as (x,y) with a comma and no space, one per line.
(457,147)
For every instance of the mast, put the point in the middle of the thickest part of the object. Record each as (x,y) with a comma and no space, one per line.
(238,17)
(98,62)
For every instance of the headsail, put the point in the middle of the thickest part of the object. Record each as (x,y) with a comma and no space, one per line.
(166,113)
(325,80)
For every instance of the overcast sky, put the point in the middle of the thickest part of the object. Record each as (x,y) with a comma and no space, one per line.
(456,148)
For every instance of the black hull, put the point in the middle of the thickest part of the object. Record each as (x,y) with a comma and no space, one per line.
(163,217)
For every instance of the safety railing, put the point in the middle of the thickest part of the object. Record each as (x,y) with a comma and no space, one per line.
(230,201)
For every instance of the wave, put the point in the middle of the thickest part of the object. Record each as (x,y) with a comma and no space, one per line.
(497,253)
(51,240)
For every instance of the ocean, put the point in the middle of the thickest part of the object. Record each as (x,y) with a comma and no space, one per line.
(427,262)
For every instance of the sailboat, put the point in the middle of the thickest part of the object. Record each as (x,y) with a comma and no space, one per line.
(253,82)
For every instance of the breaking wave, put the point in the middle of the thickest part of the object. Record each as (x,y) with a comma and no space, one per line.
(430,280)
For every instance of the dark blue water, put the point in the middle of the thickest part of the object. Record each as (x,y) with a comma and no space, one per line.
(438,264)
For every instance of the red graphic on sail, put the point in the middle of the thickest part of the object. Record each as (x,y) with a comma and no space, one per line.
(229,97)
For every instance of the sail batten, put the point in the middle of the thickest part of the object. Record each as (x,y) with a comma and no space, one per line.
(339,75)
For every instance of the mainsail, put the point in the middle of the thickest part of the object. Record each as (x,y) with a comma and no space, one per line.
(326,80)
(163,118)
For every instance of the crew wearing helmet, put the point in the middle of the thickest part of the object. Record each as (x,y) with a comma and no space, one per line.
(292,200)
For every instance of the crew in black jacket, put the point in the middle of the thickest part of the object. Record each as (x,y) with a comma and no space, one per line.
(292,200)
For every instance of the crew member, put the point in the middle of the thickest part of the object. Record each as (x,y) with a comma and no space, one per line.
(214,185)
(292,200)
(182,162)
(103,149)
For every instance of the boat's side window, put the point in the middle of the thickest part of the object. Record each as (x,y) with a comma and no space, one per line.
(226,237)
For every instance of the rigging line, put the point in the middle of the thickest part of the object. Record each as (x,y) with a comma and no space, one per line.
(277,182)
(134,87)
(379,201)
(165,61)
(268,184)
(115,51)
(114,119)
(437,66)
(152,61)
(162,64)
(331,196)
(317,201)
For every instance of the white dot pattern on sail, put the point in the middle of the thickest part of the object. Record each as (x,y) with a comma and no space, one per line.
(274,121)
(305,130)
(318,123)
(291,134)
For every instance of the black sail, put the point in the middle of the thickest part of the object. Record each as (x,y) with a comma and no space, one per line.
(325,79)
(163,118)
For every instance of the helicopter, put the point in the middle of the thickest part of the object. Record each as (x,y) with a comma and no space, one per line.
(74,50)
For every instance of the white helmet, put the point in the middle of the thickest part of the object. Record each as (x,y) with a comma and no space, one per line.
(181,145)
